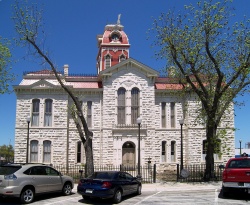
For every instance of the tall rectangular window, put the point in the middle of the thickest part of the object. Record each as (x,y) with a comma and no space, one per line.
(163,151)
(107,61)
(173,151)
(48,113)
(89,113)
(121,119)
(134,105)
(35,112)
(47,151)
(79,152)
(34,151)
(163,114)
(172,114)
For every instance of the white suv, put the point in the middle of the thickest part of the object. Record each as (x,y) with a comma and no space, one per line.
(27,180)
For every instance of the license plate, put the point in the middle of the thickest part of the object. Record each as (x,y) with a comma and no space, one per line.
(247,184)
(89,191)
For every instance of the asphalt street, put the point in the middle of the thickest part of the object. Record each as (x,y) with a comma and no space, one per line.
(152,194)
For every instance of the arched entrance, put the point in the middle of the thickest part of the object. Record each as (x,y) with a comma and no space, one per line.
(128,154)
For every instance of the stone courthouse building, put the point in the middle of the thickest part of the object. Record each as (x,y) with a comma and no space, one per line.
(122,90)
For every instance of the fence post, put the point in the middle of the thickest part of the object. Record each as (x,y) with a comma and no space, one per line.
(178,173)
(154,175)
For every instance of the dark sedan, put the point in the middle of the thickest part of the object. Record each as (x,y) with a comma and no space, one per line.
(109,184)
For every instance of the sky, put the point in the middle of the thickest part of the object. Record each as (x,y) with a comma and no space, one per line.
(71,27)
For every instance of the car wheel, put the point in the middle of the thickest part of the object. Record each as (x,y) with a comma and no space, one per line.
(86,197)
(27,196)
(138,190)
(67,189)
(117,197)
(225,191)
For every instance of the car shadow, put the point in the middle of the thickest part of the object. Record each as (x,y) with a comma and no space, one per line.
(16,201)
(98,201)
(235,195)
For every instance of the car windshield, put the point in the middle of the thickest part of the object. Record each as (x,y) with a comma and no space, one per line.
(102,175)
(6,170)
(244,163)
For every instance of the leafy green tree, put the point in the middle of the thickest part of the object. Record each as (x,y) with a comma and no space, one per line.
(7,152)
(29,26)
(211,58)
(5,71)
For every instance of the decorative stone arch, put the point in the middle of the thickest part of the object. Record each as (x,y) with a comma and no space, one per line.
(128,154)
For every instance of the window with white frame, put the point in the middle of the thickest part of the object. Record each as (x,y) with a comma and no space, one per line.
(80,156)
(163,151)
(107,61)
(89,114)
(173,151)
(48,113)
(33,151)
(46,151)
(35,112)
(172,114)
(163,114)
(217,150)
(122,58)
(121,117)
(135,105)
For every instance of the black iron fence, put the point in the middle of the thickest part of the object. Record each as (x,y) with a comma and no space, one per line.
(148,172)
(195,173)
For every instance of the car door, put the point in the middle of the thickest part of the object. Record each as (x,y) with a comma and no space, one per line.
(55,179)
(132,184)
(39,179)
(123,183)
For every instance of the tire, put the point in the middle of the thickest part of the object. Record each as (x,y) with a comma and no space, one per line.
(67,189)
(27,196)
(117,198)
(225,191)
(138,192)
(86,197)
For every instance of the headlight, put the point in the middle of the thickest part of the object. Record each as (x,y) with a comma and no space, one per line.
(10,177)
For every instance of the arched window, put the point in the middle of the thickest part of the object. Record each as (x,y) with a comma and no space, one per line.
(122,58)
(121,118)
(33,151)
(48,113)
(173,151)
(163,151)
(134,105)
(47,151)
(107,61)
(35,112)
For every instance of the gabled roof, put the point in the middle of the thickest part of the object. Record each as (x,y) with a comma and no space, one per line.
(130,61)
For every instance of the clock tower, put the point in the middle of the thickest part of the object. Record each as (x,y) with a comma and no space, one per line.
(113,46)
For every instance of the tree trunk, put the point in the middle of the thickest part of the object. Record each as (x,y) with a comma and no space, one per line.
(89,168)
(211,139)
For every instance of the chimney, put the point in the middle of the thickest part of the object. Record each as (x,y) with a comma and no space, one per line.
(66,70)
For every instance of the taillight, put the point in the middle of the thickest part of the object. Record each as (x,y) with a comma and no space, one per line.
(106,185)
(10,177)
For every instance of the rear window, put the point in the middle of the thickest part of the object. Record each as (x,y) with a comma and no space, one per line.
(243,163)
(102,175)
(6,170)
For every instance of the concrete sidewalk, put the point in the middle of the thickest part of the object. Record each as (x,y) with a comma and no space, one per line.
(175,186)
(178,186)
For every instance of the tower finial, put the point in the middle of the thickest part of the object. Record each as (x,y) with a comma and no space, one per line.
(118,20)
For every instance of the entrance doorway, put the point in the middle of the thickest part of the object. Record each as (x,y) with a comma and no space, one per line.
(128,154)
